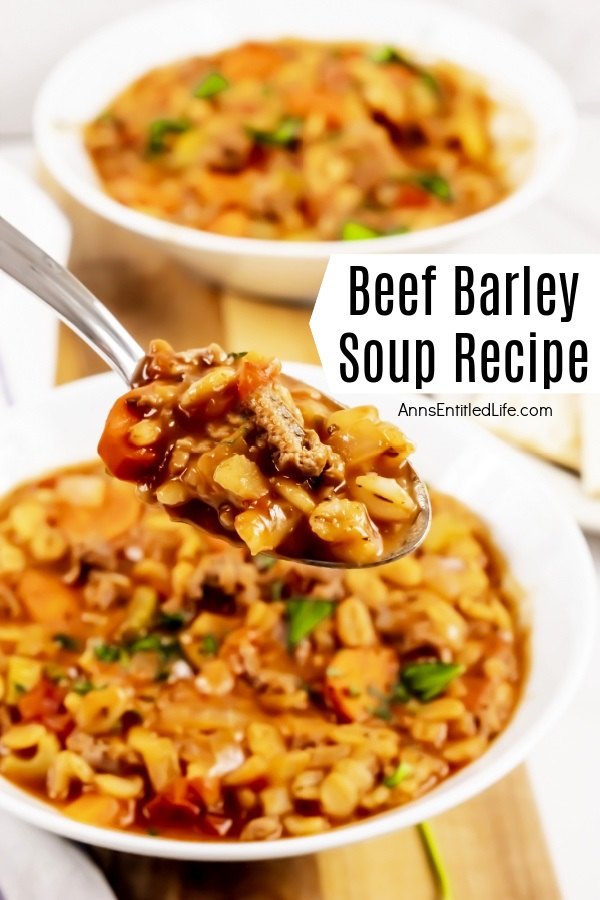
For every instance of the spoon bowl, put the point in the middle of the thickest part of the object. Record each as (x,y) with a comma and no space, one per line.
(81,311)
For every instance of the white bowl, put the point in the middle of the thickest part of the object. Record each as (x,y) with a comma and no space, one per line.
(90,76)
(545,549)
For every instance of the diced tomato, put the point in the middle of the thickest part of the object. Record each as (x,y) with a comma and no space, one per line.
(172,806)
(413,196)
(43,703)
(122,458)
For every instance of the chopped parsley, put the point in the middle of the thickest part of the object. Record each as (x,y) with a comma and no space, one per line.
(435,185)
(83,686)
(108,652)
(276,588)
(171,621)
(287,133)
(304,614)
(209,645)
(427,680)
(210,86)
(385,55)
(264,562)
(66,641)
(398,776)
(382,709)
(160,129)
(154,643)
(356,231)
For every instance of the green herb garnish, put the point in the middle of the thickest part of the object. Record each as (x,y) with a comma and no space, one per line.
(149,643)
(239,355)
(384,55)
(382,709)
(20,688)
(276,588)
(427,680)
(108,652)
(400,694)
(286,134)
(304,615)
(264,562)
(160,129)
(435,861)
(66,641)
(402,772)
(154,643)
(209,645)
(356,231)
(436,185)
(171,621)
(82,686)
(210,86)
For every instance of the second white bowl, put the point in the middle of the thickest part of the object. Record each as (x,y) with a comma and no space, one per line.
(92,74)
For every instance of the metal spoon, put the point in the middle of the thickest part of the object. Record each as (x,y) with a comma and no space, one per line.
(90,319)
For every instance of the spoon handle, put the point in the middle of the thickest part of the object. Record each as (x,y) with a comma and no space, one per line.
(74,304)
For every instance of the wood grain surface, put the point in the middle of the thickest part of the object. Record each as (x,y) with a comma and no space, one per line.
(493,845)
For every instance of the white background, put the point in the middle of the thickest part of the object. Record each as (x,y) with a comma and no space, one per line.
(565,769)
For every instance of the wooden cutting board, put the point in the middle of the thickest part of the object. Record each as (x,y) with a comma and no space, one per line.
(493,846)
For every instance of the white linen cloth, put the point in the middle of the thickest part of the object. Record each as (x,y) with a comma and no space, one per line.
(35,865)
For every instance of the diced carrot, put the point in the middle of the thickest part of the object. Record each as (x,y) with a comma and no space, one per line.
(122,458)
(478,692)
(253,374)
(95,810)
(359,679)
(251,60)
(46,598)
(118,513)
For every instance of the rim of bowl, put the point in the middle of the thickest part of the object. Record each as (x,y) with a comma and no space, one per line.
(91,194)
(456,791)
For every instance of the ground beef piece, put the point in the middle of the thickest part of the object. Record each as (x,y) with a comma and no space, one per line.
(296,448)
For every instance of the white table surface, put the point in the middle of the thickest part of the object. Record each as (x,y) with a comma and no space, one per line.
(565,768)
